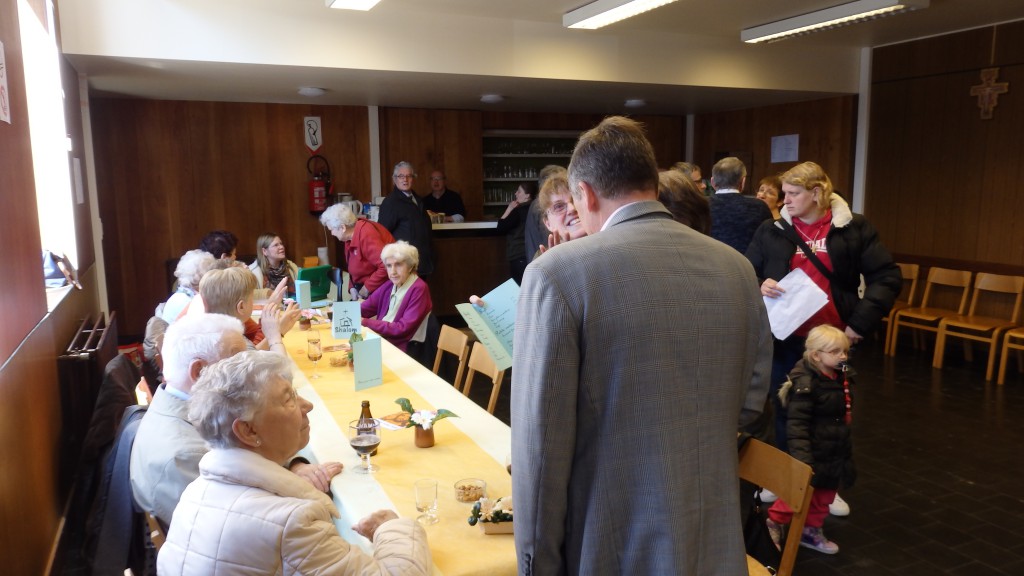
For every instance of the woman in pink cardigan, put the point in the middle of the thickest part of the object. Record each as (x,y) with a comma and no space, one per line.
(396,312)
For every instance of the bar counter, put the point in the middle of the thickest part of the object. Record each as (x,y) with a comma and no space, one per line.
(474,445)
(469,259)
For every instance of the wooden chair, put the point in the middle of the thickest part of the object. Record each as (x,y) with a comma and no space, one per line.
(454,342)
(1013,340)
(480,361)
(926,318)
(790,480)
(975,325)
(904,300)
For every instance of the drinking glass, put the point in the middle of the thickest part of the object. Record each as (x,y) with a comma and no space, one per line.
(364,437)
(426,501)
(313,351)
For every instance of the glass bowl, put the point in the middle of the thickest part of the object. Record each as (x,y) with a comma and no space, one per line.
(469,490)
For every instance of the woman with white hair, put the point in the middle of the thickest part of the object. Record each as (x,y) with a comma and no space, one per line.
(246,513)
(191,267)
(364,239)
(397,313)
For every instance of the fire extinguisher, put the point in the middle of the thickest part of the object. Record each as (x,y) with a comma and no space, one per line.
(320,185)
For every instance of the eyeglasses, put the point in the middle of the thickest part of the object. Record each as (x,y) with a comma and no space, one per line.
(558,208)
(404,176)
(834,352)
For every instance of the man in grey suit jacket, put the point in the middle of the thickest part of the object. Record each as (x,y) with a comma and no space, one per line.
(639,350)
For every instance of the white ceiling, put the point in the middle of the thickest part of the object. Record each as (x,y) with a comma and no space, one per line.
(682,58)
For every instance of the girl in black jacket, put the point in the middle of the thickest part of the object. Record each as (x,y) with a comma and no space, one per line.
(819,409)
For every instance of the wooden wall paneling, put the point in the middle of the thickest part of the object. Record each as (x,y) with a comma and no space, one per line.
(826,128)
(24,302)
(966,50)
(540,121)
(406,134)
(29,435)
(1010,43)
(144,181)
(886,183)
(458,150)
(1000,192)
(347,147)
(666,135)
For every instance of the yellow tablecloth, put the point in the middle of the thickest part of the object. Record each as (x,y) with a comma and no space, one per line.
(475,445)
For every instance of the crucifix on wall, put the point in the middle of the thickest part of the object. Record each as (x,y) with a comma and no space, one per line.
(988,91)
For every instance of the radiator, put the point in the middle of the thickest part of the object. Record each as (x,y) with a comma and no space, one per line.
(80,373)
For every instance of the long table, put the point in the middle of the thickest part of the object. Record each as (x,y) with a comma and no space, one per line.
(474,445)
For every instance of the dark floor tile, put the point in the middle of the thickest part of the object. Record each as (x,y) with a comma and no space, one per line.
(940,555)
(975,569)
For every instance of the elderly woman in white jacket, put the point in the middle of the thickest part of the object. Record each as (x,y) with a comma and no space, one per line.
(246,513)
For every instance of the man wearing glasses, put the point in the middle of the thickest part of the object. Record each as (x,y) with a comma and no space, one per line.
(403,215)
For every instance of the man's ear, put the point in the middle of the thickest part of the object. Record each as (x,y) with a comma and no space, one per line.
(195,368)
(588,196)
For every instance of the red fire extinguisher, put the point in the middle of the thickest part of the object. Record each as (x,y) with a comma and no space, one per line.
(320,184)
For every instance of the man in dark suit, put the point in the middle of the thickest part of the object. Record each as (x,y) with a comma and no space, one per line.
(638,351)
(403,215)
(734,217)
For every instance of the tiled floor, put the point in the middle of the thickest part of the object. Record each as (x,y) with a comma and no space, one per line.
(940,456)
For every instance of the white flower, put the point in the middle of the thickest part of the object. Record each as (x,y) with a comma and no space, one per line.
(423,418)
(504,504)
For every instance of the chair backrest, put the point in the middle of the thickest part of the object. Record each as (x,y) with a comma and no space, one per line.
(454,342)
(910,274)
(788,478)
(959,280)
(998,284)
(480,361)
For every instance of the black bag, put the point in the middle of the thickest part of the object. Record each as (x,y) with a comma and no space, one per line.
(756,537)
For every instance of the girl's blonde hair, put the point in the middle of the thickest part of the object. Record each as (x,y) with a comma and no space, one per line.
(808,176)
(824,338)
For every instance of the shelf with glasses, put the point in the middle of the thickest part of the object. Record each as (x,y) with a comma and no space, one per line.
(513,156)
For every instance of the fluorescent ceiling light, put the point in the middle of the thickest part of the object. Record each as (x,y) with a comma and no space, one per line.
(605,12)
(849,13)
(352,4)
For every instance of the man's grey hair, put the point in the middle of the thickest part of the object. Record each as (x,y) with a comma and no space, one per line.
(403,164)
(234,389)
(614,158)
(194,337)
(728,173)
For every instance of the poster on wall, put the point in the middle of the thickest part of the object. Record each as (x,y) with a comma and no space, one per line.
(5,105)
(785,148)
(311,132)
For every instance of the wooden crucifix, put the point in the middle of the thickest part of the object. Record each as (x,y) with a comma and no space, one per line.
(988,91)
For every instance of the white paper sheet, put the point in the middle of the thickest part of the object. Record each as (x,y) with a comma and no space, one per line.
(800,301)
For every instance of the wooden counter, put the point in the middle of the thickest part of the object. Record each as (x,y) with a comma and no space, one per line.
(469,259)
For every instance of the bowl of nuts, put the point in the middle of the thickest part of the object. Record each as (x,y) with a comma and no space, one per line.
(470,490)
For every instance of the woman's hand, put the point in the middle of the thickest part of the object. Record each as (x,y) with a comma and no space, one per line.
(289,316)
(278,294)
(511,206)
(319,475)
(853,336)
(770,289)
(477,301)
(367,526)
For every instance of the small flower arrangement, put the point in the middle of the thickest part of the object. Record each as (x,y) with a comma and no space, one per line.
(493,511)
(424,418)
(352,339)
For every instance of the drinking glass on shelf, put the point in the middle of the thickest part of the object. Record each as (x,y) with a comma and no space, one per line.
(313,350)
(426,501)
(364,437)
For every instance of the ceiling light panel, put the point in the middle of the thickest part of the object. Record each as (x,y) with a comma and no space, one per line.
(605,12)
(352,4)
(834,17)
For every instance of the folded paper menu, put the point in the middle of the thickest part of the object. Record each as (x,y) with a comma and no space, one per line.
(494,323)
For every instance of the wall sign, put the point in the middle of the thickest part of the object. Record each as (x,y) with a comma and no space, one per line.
(311,132)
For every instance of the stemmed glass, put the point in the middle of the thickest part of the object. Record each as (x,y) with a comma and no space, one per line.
(313,350)
(364,437)
(426,501)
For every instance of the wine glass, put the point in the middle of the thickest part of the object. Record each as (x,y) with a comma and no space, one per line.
(313,351)
(364,437)
(426,501)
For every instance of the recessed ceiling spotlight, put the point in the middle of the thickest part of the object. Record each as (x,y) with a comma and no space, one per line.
(492,98)
(311,91)
(635,103)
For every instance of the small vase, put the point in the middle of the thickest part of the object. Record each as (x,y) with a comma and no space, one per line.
(424,437)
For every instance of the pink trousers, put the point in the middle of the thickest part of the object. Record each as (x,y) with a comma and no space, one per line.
(782,514)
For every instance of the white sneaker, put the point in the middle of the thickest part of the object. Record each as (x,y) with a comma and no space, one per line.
(767,496)
(838,507)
